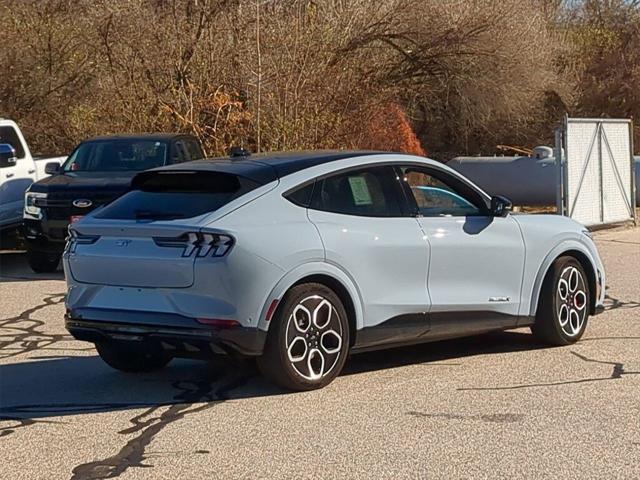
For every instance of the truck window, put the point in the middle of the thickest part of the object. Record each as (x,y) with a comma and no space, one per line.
(178,152)
(117,155)
(9,135)
(194,149)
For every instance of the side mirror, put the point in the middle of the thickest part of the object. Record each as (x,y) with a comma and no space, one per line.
(52,168)
(7,156)
(500,206)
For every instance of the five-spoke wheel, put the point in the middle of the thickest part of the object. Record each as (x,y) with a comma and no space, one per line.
(563,309)
(314,337)
(309,339)
(571,301)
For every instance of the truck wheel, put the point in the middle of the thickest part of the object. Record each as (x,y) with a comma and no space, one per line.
(41,262)
(133,357)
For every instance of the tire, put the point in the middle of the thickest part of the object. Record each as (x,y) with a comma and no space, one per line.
(563,307)
(133,357)
(41,262)
(300,353)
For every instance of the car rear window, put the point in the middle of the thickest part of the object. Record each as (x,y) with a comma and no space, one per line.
(174,195)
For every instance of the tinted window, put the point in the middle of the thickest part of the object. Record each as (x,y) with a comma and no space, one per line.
(436,198)
(301,196)
(193,149)
(10,136)
(168,196)
(178,152)
(369,192)
(117,155)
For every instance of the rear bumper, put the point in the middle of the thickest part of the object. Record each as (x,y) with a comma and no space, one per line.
(190,340)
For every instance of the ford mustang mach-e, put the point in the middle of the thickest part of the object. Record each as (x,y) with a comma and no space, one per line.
(299,259)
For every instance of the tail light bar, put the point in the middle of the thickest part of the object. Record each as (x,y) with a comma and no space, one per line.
(202,244)
(76,238)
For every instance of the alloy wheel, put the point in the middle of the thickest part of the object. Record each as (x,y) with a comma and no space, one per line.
(571,301)
(314,337)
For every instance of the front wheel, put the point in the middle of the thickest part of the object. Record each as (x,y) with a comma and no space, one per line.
(133,357)
(308,342)
(563,309)
(41,262)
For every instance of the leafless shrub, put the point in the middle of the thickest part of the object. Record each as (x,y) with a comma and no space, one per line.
(300,74)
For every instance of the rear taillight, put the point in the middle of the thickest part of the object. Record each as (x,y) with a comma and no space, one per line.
(76,238)
(200,244)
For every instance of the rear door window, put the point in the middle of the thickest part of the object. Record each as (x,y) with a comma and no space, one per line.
(175,195)
(193,149)
(367,192)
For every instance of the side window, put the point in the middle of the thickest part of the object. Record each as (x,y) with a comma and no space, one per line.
(9,135)
(193,149)
(435,198)
(301,196)
(367,192)
(178,152)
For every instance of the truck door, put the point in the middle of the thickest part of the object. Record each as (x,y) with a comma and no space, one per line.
(14,179)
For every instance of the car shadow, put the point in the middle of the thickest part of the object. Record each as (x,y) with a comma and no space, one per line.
(58,386)
(14,268)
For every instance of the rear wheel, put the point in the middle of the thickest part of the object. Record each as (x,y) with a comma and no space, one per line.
(41,262)
(133,357)
(308,342)
(563,309)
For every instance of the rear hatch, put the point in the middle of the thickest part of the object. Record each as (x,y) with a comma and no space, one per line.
(151,236)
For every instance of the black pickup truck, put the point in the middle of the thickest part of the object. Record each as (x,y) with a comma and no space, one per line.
(97,171)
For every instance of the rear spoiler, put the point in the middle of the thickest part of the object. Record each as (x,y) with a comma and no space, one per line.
(256,172)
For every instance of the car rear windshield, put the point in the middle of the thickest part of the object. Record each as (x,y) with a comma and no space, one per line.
(117,155)
(174,195)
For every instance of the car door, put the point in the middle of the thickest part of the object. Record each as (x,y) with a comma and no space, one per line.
(14,179)
(477,259)
(361,217)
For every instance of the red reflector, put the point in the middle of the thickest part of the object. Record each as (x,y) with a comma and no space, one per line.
(218,322)
(271,309)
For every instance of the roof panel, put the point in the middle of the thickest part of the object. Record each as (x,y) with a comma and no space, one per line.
(266,167)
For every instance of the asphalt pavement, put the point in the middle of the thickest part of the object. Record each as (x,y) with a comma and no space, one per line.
(492,406)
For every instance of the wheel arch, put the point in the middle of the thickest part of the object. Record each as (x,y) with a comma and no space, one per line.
(342,293)
(325,274)
(585,260)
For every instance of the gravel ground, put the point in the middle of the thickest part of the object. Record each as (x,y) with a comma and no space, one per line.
(497,405)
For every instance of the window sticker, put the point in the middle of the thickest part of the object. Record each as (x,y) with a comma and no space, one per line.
(360,191)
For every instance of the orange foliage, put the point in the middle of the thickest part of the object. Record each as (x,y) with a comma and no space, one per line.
(389,129)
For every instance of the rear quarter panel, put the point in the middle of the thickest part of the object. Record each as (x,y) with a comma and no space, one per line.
(272,237)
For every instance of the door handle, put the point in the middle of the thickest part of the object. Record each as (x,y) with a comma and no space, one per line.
(31,171)
(9,175)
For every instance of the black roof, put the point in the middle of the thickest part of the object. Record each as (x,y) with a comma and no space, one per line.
(266,167)
(137,136)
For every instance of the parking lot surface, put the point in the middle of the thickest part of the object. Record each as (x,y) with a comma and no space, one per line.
(492,406)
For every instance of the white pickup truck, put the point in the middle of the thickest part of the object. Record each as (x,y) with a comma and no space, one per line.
(18,170)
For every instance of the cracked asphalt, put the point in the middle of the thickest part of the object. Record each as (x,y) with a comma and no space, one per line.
(497,405)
